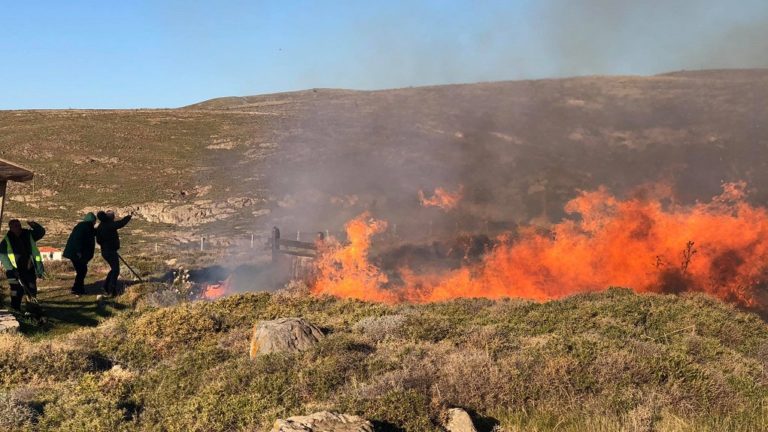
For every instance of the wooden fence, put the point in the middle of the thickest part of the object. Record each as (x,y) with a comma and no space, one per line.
(302,254)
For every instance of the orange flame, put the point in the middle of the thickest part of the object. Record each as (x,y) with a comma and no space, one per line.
(442,198)
(344,271)
(720,248)
(217,290)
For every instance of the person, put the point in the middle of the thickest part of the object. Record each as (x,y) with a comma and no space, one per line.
(109,240)
(79,249)
(21,259)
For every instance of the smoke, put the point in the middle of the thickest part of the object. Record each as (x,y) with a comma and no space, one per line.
(521,150)
(354,152)
(517,150)
(396,44)
(609,36)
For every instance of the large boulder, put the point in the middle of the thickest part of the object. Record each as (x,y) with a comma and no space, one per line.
(283,335)
(323,421)
(8,322)
(457,420)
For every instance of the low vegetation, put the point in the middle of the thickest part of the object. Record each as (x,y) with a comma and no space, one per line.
(611,361)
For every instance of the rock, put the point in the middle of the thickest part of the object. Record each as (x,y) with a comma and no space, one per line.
(323,421)
(283,334)
(185,214)
(8,322)
(459,421)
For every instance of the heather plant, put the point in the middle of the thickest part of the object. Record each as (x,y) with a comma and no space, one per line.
(613,361)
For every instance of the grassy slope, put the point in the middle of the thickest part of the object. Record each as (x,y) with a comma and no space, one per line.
(611,361)
(108,159)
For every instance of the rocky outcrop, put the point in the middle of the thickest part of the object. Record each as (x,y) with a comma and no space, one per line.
(283,335)
(457,420)
(8,322)
(323,421)
(187,214)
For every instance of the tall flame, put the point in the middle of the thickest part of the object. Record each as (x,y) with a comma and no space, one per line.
(442,198)
(344,271)
(719,247)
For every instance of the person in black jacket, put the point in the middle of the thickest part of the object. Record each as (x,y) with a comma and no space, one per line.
(21,259)
(109,240)
(79,249)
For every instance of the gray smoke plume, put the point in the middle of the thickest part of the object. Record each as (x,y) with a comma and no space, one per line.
(610,36)
(520,150)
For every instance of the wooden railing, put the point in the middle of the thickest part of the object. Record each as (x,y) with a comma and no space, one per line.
(293,247)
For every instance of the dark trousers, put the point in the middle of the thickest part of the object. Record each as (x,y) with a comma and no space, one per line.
(29,279)
(110,283)
(81,269)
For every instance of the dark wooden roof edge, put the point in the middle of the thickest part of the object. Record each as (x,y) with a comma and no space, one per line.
(14,172)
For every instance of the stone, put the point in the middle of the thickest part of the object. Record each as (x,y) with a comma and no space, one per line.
(8,322)
(459,421)
(283,335)
(323,421)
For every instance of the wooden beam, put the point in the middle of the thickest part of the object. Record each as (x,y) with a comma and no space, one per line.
(298,244)
(14,172)
(298,253)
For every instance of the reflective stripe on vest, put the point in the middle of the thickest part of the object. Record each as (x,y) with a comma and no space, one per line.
(36,256)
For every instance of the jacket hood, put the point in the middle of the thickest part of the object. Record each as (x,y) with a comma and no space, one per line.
(101,216)
(90,217)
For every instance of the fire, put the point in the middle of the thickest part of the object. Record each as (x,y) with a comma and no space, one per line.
(646,243)
(344,271)
(442,198)
(217,290)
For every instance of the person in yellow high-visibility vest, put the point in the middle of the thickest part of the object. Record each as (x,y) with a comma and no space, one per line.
(21,259)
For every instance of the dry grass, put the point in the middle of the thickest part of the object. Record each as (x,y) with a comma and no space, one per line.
(594,362)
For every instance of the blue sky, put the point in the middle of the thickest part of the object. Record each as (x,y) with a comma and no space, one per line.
(168,53)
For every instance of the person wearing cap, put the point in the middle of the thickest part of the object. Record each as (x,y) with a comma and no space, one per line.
(109,240)
(80,247)
(22,260)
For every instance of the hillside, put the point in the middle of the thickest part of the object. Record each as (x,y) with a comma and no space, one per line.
(310,160)
(509,155)
(614,361)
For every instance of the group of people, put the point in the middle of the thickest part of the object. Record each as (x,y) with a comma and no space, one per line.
(23,262)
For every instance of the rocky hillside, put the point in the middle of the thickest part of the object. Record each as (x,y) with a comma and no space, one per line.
(309,160)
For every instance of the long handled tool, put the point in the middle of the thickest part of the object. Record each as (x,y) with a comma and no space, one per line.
(32,302)
(130,268)
(30,298)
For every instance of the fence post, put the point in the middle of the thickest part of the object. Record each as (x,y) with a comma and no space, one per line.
(275,243)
